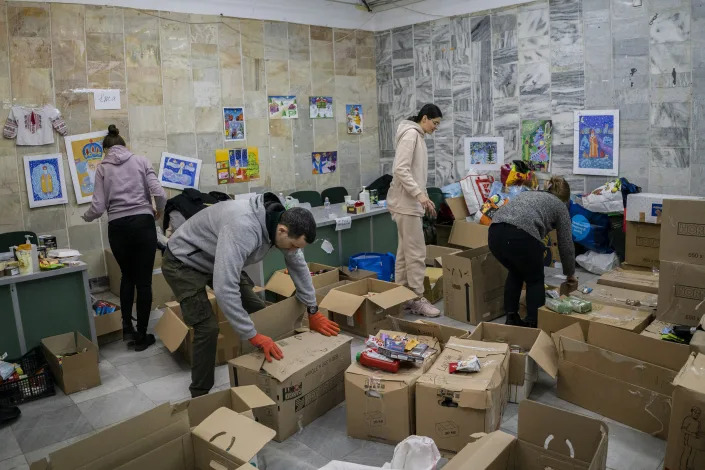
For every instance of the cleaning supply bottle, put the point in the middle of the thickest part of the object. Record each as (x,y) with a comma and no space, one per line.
(365,197)
(326,205)
(374,360)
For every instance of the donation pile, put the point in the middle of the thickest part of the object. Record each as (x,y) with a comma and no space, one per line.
(387,352)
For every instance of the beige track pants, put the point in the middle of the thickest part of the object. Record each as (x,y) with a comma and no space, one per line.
(410,268)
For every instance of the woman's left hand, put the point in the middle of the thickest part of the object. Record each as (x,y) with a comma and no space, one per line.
(428,207)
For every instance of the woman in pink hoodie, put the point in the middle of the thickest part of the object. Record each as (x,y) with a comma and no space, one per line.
(124,186)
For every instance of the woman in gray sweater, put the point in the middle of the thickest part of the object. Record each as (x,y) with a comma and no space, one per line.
(516,240)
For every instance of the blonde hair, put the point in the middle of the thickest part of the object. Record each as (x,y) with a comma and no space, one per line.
(559,187)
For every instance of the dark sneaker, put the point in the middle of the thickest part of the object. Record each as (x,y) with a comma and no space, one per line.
(144,341)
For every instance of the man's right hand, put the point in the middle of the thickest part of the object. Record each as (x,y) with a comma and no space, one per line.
(268,347)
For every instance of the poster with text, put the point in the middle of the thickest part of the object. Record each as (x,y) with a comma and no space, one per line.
(596,143)
(85,152)
(237,165)
(484,153)
(283,107)
(354,118)
(44,175)
(179,172)
(234,124)
(321,107)
(536,139)
(324,162)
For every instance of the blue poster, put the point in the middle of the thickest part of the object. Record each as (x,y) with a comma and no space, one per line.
(179,172)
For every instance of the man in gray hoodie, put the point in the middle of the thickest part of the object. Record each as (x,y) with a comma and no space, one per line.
(212,247)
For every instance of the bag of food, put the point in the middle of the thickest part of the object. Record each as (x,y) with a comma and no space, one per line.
(476,190)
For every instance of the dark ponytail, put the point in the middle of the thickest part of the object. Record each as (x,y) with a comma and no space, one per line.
(113,137)
(431,111)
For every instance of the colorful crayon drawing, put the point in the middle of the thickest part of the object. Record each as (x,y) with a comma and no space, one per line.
(354,118)
(536,139)
(596,143)
(44,175)
(484,153)
(324,162)
(85,152)
(179,172)
(234,124)
(283,107)
(321,107)
(237,165)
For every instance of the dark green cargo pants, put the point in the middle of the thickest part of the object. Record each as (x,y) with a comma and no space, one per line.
(189,287)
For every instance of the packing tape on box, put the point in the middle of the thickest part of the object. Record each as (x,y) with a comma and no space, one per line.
(652,396)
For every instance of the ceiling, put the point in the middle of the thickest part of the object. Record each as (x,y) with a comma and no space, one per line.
(382,5)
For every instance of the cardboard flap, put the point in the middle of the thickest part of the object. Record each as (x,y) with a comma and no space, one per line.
(443,333)
(692,375)
(234,434)
(392,297)
(281,284)
(572,331)
(252,361)
(171,330)
(468,234)
(538,421)
(299,351)
(342,302)
(545,354)
(458,207)
(249,397)
(490,452)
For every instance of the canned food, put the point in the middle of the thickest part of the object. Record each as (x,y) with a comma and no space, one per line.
(48,241)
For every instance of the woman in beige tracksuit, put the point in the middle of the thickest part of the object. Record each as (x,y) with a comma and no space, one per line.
(407,201)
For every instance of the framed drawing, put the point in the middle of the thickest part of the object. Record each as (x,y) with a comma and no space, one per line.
(596,142)
(354,118)
(484,153)
(44,175)
(237,165)
(320,107)
(179,172)
(324,162)
(536,141)
(283,107)
(85,152)
(234,124)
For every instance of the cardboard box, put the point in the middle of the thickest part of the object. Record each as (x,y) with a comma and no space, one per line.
(683,231)
(357,275)
(468,235)
(529,349)
(643,243)
(647,207)
(161,292)
(473,286)
(442,333)
(361,307)
(281,283)
(381,405)
(78,367)
(161,438)
(108,327)
(654,329)
(434,254)
(305,384)
(451,407)
(618,297)
(642,281)
(433,284)
(681,293)
(624,318)
(619,375)
(277,321)
(578,443)
(686,440)
(321,293)
(458,207)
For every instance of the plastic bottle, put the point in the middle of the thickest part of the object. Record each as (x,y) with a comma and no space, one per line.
(365,197)
(377,361)
(326,204)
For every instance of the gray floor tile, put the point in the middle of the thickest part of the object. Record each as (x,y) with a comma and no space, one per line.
(111,381)
(172,388)
(331,441)
(290,455)
(115,407)
(119,354)
(374,454)
(151,368)
(630,449)
(15,463)
(45,451)
(43,429)
(46,405)
(9,447)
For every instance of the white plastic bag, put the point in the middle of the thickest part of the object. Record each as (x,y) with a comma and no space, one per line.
(476,190)
(605,199)
(413,453)
(598,263)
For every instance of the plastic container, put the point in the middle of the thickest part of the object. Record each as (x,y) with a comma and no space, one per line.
(375,360)
(37,384)
(365,197)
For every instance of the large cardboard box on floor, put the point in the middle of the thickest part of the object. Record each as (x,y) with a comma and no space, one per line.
(161,292)
(683,231)
(281,283)
(681,293)
(305,384)
(279,320)
(618,297)
(73,360)
(620,317)
(547,438)
(175,437)
(619,375)
(451,407)
(685,449)
(529,349)
(381,405)
(473,286)
(361,307)
(466,234)
(642,244)
(357,275)
(108,327)
(648,207)
(632,279)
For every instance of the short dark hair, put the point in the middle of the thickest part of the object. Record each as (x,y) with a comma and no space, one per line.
(113,137)
(430,110)
(299,221)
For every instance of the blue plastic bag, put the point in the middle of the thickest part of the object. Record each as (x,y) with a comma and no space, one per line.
(590,229)
(380,263)
(452,190)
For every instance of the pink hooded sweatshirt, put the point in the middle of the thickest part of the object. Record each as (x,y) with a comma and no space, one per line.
(124,183)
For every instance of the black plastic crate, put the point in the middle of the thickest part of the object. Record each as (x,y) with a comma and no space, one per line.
(38,383)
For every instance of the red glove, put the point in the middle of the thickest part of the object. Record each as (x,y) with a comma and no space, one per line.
(268,347)
(318,322)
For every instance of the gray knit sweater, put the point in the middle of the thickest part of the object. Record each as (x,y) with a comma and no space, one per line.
(537,213)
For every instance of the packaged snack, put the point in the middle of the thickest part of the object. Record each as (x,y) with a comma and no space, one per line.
(559,305)
(580,305)
(470,365)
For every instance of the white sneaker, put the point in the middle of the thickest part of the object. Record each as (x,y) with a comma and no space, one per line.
(421,306)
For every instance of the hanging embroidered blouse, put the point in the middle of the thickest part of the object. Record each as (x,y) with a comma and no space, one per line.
(33,126)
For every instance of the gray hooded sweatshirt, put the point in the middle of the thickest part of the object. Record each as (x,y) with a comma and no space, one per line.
(224,238)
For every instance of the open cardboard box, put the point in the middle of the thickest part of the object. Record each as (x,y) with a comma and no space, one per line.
(380,405)
(108,327)
(162,438)
(547,438)
(466,235)
(433,284)
(620,317)
(361,307)
(625,298)
(305,384)
(529,349)
(632,279)
(78,368)
(434,255)
(357,275)
(161,292)
(619,375)
(451,407)
(442,333)
(281,283)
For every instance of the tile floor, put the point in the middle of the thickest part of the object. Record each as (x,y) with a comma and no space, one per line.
(135,382)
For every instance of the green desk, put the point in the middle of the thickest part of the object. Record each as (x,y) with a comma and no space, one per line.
(47,303)
(372,231)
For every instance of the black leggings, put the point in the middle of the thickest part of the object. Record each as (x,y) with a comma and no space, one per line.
(133,240)
(523,256)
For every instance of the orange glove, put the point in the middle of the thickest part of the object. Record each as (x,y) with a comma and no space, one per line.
(268,347)
(318,322)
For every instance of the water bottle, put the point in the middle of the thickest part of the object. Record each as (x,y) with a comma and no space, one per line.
(326,204)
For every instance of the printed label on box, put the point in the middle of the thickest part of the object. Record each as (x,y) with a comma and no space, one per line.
(312,396)
(691,230)
(294,391)
(688,292)
(648,242)
(375,418)
(447,429)
(656,210)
